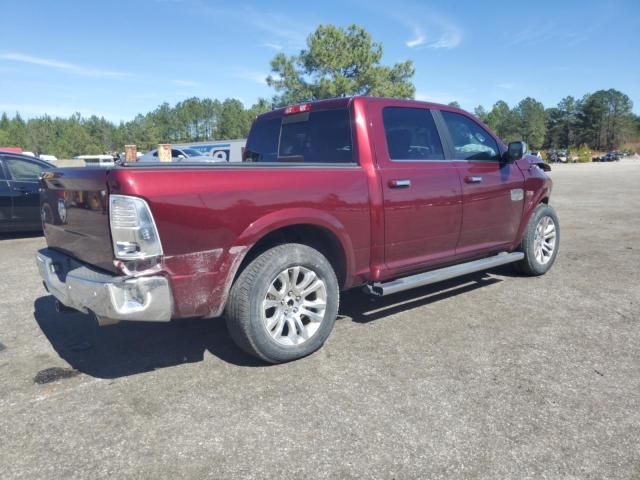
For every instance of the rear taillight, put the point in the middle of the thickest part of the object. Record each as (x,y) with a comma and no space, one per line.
(133,230)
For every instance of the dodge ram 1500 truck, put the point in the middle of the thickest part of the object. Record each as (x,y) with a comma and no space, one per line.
(382,193)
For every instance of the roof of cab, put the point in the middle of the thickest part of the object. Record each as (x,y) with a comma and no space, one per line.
(343,102)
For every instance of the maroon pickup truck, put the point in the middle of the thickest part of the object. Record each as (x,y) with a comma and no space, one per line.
(382,193)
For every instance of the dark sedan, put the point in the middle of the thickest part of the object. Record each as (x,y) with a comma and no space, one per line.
(19,192)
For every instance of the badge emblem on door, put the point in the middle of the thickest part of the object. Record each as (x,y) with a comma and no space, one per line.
(62,210)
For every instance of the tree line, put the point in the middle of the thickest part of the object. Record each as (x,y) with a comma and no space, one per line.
(336,62)
(602,120)
(191,120)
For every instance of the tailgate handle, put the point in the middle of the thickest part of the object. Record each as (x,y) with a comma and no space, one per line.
(404,183)
(473,179)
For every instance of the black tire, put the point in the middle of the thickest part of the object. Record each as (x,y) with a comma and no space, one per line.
(531,265)
(244,309)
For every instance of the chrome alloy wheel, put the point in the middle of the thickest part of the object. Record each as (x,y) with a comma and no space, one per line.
(294,306)
(544,241)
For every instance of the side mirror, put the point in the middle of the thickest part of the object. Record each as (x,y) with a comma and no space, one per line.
(181,157)
(516,151)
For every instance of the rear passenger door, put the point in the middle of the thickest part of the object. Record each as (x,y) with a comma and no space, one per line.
(421,189)
(492,190)
(23,177)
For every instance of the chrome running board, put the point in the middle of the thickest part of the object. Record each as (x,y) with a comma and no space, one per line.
(380,289)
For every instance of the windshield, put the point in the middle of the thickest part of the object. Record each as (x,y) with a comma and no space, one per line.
(191,152)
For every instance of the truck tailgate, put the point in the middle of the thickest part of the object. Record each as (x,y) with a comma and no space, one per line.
(74,205)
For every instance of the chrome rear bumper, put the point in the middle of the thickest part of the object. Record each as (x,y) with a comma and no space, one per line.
(111,298)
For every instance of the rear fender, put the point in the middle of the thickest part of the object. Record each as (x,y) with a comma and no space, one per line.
(270,223)
(299,216)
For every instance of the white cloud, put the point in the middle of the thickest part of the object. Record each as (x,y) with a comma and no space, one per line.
(438,97)
(279,31)
(58,65)
(428,28)
(186,83)
(290,33)
(507,85)
(450,38)
(437,32)
(252,75)
(418,39)
(550,32)
(29,110)
(273,45)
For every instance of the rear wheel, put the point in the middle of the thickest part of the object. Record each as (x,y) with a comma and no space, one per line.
(284,303)
(540,242)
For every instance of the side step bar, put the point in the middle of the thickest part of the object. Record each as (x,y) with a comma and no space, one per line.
(380,289)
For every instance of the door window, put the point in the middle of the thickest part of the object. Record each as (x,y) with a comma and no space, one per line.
(23,170)
(411,134)
(470,140)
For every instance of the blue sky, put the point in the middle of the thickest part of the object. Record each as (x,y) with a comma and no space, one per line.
(119,58)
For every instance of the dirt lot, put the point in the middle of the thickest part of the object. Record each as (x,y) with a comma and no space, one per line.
(490,376)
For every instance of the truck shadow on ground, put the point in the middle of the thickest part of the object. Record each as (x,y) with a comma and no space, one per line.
(129,348)
(362,308)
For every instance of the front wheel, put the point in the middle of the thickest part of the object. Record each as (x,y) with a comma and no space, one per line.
(284,303)
(540,242)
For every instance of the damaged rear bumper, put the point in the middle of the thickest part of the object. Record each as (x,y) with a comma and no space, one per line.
(111,298)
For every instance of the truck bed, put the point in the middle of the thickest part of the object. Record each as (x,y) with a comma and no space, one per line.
(207,216)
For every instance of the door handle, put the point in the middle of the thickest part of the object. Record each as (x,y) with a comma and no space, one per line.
(404,183)
(473,179)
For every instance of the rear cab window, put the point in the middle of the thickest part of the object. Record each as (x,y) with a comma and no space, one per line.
(314,137)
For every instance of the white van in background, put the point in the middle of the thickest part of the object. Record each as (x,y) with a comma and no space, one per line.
(220,150)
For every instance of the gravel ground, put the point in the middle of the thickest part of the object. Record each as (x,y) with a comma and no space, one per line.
(489,376)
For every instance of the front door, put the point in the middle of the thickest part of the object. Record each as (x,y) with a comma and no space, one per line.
(492,190)
(421,190)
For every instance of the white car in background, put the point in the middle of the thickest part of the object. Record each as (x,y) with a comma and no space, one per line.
(48,158)
(178,155)
(96,160)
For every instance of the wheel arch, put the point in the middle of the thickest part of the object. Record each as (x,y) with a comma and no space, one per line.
(538,197)
(314,228)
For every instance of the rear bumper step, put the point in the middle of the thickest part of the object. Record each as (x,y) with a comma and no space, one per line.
(380,289)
